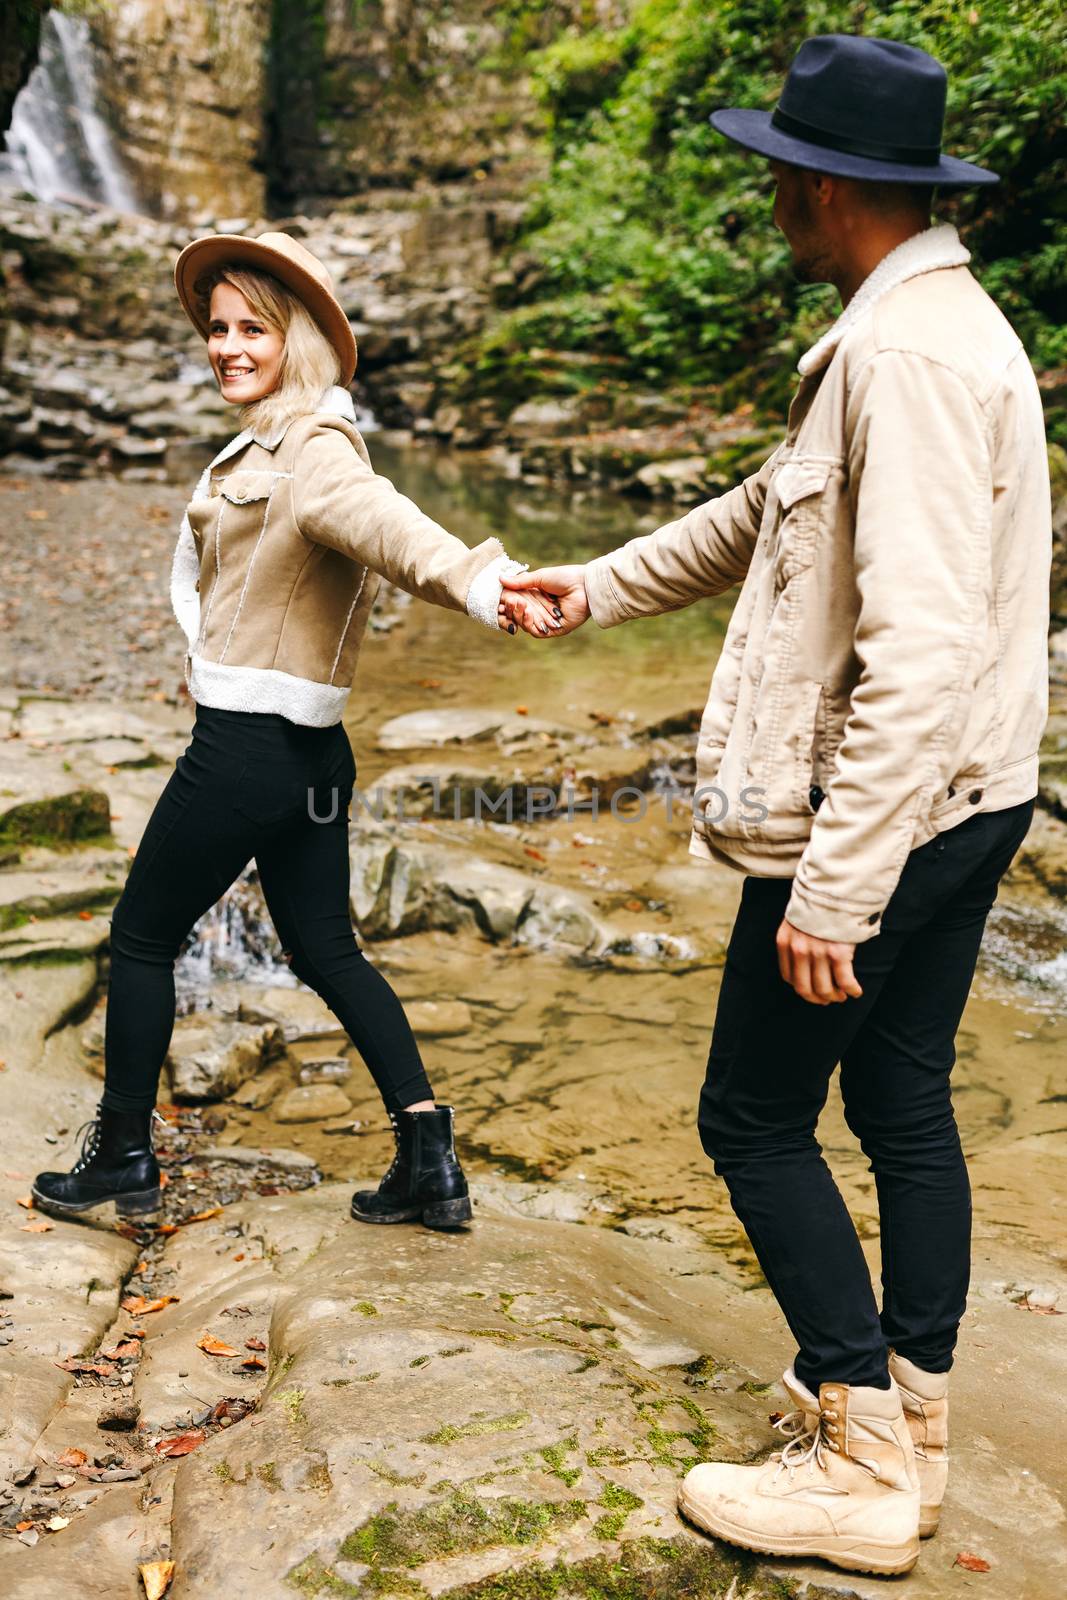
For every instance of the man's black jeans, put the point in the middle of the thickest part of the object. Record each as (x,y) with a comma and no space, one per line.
(771,1059)
(249,784)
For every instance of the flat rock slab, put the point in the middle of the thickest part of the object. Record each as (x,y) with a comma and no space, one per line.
(426,730)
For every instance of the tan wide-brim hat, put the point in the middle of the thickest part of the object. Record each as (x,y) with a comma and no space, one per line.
(285,259)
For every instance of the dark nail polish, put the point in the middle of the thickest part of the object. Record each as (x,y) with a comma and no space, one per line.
(511,627)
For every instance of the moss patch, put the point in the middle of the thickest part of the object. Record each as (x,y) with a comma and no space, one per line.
(293,1401)
(645,1569)
(365,1308)
(554,1457)
(396,1538)
(478,1426)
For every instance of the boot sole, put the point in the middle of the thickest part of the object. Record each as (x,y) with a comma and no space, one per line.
(140,1203)
(855,1555)
(441,1214)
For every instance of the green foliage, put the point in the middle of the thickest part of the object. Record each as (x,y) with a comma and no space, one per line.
(651,243)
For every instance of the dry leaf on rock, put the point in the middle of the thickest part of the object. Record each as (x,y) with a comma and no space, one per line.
(971,1563)
(254,1344)
(215,1347)
(254,1364)
(25,1200)
(40,1225)
(128,1347)
(180,1444)
(136,1304)
(156,1576)
(72,1458)
(202,1216)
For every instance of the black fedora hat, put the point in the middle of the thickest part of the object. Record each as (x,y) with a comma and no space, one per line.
(858,108)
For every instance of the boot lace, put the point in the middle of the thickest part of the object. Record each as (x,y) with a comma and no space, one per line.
(91,1140)
(805,1444)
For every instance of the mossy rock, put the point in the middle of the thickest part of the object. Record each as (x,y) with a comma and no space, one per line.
(82,816)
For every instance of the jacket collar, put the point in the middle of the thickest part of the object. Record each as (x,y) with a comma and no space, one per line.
(923,252)
(335,400)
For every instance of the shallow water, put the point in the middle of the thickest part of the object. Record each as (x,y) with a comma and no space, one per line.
(590,1074)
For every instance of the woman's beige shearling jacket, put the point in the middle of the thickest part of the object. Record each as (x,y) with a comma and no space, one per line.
(280,556)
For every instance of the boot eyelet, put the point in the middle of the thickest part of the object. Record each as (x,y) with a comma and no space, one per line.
(832,1414)
(831,1394)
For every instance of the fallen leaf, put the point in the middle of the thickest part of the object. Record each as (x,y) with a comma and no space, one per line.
(73,1457)
(38,1226)
(166,1227)
(202,1216)
(25,1200)
(156,1576)
(534,854)
(429,683)
(523,711)
(254,1364)
(215,1347)
(142,1266)
(634,905)
(20,1527)
(163,1180)
(971,1563)
(254,1344)
(87,916)
(239,1256)
(103,1369)
(128,1347)
(181,1443)
(137,1305)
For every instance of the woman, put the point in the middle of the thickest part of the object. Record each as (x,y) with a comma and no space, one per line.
(277,565)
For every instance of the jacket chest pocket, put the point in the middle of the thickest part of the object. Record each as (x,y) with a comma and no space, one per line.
(802,488)
(247,488)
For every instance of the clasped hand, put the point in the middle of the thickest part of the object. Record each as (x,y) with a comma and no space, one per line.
(550,601)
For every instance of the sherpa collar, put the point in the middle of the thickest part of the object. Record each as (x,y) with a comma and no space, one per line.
(923,252)
(335,400)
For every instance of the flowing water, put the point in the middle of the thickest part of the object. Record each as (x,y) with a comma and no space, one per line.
(59,146)
(583,1078)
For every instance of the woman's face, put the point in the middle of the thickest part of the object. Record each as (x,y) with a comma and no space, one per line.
(245,352)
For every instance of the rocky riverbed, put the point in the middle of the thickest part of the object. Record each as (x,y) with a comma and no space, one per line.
(264,1393)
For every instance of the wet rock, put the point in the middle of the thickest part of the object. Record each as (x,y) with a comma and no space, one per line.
(312,1102)
(325,1069)
(49,883)
(439,1019)
(211,1057)
(258,1092)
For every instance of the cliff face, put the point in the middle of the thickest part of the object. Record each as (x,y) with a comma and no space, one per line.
(184,81)
(20,30)
(238,107)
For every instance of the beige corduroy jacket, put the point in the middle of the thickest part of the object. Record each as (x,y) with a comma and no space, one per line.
(280,556)
(885,671)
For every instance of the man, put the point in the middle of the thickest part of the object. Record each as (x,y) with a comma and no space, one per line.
(868,758)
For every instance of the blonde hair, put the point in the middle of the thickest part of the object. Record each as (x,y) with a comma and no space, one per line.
(309,362)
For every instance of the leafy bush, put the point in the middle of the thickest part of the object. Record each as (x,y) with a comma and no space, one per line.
(651,241)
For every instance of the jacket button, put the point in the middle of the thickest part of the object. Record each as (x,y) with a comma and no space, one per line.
(974,796)
(815,797)
(874,916)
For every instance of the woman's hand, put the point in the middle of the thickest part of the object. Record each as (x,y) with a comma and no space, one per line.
(537,614)
(554,592)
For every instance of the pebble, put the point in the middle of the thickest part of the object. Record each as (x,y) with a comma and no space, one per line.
(119,1415)
(119,1475)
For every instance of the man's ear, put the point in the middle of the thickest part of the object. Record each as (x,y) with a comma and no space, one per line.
(821,187)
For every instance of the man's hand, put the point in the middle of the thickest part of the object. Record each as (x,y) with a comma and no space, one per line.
(818,969)
(559,589)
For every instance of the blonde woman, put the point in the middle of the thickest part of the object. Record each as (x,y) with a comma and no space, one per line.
(277,565)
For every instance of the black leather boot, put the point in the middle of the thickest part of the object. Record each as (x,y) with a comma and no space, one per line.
(425,1180)
(117,1162)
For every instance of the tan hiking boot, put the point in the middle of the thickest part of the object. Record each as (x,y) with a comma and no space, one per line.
(925,1397)
(843,1488)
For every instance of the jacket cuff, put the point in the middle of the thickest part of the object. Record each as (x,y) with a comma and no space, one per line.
(605,607)
(835,922)
(483,596)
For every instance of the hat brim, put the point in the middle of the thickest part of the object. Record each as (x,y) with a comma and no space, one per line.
(753,130)
(224,249)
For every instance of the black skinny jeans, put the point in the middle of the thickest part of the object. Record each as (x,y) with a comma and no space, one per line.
(771,1059)
(249,784)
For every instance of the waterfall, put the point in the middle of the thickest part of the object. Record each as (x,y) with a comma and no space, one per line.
(58,146)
